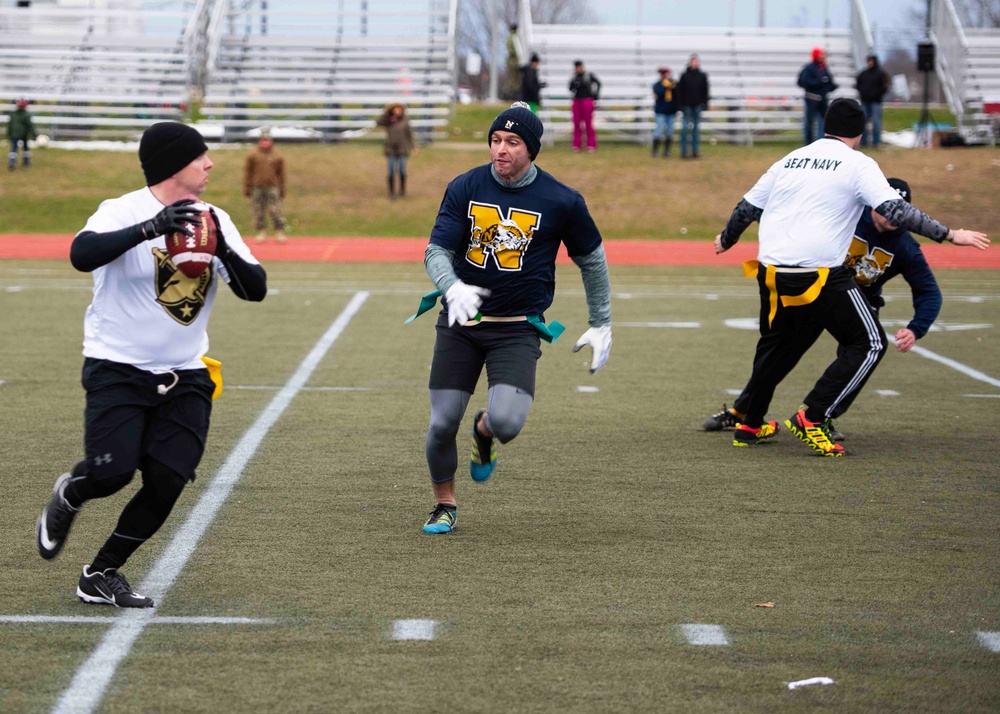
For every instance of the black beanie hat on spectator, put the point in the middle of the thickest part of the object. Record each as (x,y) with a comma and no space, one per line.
(522,121)
(844,118)
(166,148)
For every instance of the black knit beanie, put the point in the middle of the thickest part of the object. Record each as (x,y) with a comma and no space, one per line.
(902,188)
(522,121)
(845,118)
(166,148)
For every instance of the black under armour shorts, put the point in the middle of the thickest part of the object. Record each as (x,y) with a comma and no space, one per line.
(509,350)
(126,420)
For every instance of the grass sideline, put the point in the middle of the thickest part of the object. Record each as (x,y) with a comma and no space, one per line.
(612,518)
(340,190)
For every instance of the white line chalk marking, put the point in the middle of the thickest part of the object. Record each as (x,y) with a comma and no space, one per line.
(983,396)
(705,634)
(93,677)
(887,392)
(989,640)
(957,366)
(111,619)
(589,390)
(682,325)
(413,629)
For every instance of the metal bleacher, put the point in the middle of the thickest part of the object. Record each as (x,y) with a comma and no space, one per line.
(752,73)
(97,68)
(318,67)
(967,62)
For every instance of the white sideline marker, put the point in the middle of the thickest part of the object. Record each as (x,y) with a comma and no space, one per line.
(91,680)
(714,635)
(989,640)
(734,392)
(978,396)
(957,366)
(111,619)
(887,392)
(589,390)
(413,630)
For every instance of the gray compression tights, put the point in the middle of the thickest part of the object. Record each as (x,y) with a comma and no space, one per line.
(507,408)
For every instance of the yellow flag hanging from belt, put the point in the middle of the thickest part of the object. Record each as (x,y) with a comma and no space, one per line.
(752,267)
(215,374)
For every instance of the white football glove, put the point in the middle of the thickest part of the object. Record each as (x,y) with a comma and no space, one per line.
(599,339)
(464,301)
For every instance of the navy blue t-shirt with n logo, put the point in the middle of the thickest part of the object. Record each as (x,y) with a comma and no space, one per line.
(507,239)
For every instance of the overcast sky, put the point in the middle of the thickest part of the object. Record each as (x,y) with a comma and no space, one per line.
(893,21)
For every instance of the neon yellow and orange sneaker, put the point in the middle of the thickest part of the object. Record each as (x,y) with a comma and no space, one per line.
(814,434)
(744,435)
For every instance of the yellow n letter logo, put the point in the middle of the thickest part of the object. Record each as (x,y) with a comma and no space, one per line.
(506,239)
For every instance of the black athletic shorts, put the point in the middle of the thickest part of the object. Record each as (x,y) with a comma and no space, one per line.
(127,420)
(510,351)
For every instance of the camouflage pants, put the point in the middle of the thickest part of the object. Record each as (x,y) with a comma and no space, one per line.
(266,201)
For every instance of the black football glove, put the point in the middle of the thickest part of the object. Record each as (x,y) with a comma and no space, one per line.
(175,218)
(222,249)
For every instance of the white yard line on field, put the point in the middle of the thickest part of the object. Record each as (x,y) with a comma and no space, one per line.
(91,680)
(948,362)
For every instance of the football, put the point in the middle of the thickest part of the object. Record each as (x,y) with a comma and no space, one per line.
(192,254)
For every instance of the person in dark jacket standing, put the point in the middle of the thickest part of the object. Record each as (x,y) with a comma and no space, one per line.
(586,88)
(531,87)
(20,129)
(692,96)
(816,79)
(664,111)
(872,84)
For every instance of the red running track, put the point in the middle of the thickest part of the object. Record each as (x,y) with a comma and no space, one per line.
(411,250)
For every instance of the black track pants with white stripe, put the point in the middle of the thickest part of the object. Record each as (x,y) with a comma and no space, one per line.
(787,332)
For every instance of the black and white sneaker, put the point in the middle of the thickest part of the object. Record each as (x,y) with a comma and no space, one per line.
(109,588)
(54,523)
(726,419)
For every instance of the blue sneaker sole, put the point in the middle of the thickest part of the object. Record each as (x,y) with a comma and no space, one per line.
(481,472)
(438,528)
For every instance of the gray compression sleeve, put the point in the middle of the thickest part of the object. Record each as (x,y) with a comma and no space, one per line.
(743,215)
(905,214)
(438,264)
(597,285)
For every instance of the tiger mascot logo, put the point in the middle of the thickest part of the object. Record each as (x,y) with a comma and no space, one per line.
(506,240)
(869,264)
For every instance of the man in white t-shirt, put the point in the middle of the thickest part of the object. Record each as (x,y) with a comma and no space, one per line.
(808,204)
(149,392)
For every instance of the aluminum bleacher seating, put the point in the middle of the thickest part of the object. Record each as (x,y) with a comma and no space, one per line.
(102,69)
(752,75)
(329,70)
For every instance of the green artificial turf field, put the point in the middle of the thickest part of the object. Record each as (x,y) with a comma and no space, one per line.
(612,521)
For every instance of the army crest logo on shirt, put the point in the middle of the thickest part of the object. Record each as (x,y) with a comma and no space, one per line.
(869,264)
(182,297)
(505,240)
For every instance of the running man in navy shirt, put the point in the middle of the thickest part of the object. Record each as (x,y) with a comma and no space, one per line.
(492,254)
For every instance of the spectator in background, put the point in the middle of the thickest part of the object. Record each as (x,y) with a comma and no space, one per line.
(20,129)
(816,79)
(872,84)
(531,87)
(264,184)
(692,96)
(664,111)
(586,88)
(398,144)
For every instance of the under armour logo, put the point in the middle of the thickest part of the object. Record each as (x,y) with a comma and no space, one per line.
(902,193)
(101,460)
(509,125)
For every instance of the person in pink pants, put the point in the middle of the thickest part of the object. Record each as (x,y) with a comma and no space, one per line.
(585,87)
